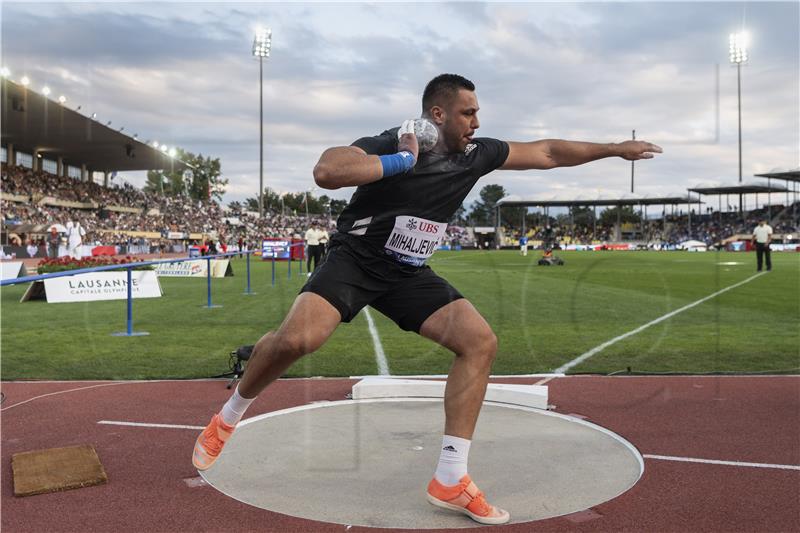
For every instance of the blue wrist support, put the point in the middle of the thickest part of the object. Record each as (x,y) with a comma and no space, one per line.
(396,163)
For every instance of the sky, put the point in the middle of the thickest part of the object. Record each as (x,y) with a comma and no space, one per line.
(183,74)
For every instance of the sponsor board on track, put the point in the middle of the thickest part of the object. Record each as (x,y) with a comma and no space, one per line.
(12,270)
(195,269)
(96,286)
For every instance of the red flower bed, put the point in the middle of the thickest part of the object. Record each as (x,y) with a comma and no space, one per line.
(61,264)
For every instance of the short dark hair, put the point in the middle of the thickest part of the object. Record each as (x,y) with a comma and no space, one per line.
(443,88)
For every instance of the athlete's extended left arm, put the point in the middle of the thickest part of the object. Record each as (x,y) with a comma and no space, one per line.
(553,153)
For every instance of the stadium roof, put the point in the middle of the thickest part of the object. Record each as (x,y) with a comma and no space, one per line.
(737,188)
(596,199)
(33,122)
(782,174)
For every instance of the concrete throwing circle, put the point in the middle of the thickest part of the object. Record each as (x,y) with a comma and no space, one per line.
(368,463)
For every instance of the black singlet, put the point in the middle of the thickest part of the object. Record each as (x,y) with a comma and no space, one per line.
(405,216)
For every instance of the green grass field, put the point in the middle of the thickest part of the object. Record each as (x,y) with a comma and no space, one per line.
(543,317)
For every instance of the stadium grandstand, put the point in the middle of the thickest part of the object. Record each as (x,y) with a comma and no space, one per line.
(677,218)
(51,156)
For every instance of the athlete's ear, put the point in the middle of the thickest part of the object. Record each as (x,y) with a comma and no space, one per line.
(437,115)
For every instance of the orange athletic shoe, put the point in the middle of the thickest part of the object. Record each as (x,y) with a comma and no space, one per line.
(209,444)
(466,498)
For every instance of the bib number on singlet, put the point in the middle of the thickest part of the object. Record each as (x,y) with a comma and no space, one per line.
(413,240)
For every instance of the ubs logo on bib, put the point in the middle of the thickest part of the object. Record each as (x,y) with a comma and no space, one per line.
(413,240)
(429,227)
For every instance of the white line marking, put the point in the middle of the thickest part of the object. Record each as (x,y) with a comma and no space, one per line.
(716,462)
(380,357)
(66,391)
(597,349)
(545,380)
(147,425)
(444,376)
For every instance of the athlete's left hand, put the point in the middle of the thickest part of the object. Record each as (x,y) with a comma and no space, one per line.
(635,150)
(408,140)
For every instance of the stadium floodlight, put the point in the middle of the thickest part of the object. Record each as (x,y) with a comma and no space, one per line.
(172,152)
(46,90)
(164,148)
(5,72)
(155,144)
(94,115)
(738,47)
(262,43)
(62,99)
(25,81)
(738,55)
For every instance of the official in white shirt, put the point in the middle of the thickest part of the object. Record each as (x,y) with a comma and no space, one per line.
(762,236)
(313,247)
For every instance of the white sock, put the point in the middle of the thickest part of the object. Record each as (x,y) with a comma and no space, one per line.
(452,460)
(234,408)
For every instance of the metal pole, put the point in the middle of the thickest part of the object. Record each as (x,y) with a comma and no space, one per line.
(130,302)
(247,259)
(129,330)
(633,135)
(739,92)
(769,200)
(273,268)
(261,137)
(303,255)
(208,279)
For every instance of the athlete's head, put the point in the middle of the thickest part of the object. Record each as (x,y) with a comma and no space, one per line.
(449,101)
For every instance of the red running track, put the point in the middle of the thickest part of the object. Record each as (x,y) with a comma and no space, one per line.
(153,487)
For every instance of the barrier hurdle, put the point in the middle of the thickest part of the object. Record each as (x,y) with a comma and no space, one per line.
(129,267)
(290,261)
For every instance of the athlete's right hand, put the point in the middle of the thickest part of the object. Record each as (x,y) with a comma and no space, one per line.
(407,140)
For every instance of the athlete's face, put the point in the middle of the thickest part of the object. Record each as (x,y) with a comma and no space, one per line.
(458,121)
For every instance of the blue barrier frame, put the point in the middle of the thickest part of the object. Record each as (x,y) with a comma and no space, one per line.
(290,261)
(129,267)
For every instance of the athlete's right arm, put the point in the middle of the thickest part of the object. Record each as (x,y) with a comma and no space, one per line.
(346,166)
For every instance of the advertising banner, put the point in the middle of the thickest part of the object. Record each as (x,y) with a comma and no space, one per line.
(195,269)
(279,248)
(98,286)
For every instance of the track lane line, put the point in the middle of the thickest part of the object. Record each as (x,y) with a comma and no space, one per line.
(23,402)
(380,356)
(148,425)
(719,462)
(597,349)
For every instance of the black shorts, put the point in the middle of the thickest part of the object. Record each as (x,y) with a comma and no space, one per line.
(353,276)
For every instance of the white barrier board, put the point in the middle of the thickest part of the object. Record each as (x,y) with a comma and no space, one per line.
(526,395)
(12,270)
(97,286)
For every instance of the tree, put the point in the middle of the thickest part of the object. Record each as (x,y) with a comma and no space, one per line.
(482,213)
(609,215)
(459,217)
(483,210)
(195,181)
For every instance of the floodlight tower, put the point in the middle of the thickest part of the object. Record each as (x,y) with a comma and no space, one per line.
(738,55)
(261,46)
